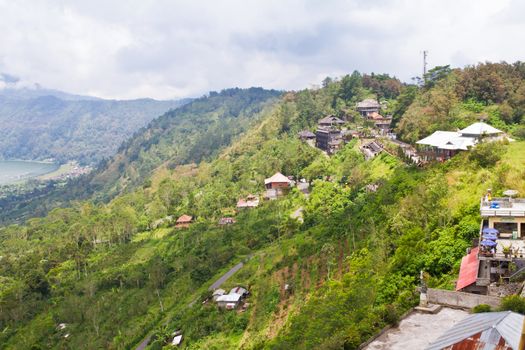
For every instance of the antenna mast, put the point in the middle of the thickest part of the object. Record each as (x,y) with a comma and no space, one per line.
(425,54)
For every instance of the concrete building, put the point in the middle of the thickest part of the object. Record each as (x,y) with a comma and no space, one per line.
(500,252)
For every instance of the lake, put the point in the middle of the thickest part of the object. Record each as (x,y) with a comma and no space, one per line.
(13,170)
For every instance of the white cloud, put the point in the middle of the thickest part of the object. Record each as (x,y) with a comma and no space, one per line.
(170,49)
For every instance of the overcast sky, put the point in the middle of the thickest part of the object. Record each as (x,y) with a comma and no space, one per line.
(173,49)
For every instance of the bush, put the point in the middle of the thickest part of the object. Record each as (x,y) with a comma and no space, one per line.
(481,308)
(513,303)
(486,154)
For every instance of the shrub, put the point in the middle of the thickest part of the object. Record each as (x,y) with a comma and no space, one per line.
(481,308)
(486,154)
(513,303)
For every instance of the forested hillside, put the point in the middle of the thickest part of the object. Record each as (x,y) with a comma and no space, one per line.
(351,264)
(189,134)
(37,126)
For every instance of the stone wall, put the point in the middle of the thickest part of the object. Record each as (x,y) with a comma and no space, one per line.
(459,299)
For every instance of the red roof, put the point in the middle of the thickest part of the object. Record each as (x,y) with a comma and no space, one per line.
(468,272)
(184,219)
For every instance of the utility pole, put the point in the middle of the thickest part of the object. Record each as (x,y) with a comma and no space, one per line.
(425,54)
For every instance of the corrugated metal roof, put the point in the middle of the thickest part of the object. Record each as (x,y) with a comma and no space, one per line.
(508,326)
(229,298)
(468,272)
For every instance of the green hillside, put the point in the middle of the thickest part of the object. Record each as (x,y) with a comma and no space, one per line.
(51,125)
(189,134)
(351,264)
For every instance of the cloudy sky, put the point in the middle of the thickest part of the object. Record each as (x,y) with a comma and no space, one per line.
(173,49)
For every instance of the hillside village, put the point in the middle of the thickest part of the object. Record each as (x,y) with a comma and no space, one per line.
(338,217)
(495,263)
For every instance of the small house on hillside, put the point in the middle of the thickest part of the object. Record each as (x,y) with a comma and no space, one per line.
(251,201)
(368,106)
(330,121)
(277,181)
(371,149)
(306,135)
(380,122)
(227,221)
(487,330)
(184,221)
(229,301)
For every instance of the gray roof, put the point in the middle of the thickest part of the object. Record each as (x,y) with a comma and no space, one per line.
(492,326)
(368,103)
(229,298)
(306,133)
(331,120)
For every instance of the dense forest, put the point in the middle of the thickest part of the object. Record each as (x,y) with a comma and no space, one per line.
(40,124)
(352,262)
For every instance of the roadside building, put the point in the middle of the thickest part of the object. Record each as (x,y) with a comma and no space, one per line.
(240,290)
(368,106)
(229,301)
(184,221)
(217,293)
(487,331)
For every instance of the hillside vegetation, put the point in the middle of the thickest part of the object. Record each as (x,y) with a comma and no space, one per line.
(63,127)
(352,264)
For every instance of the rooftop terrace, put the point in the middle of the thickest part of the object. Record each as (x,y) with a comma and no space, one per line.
(503,207)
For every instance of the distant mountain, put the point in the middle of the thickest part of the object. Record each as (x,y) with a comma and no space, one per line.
(38,123)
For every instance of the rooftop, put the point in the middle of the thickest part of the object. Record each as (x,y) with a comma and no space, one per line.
(488,330)
(503,207)
(277,177)
(331,119)
(184,219)
(368,103)
(417,330)
(229,298)
(451,140)
(480,129)
(468,272)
